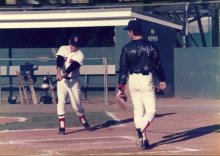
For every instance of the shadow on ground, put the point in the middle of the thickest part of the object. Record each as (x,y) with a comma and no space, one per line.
(110,123)
(187,135)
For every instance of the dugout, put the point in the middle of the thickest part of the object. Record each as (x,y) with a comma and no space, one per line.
(160,22)
(114,19)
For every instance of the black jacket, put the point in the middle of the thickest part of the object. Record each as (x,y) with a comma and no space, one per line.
(140,56)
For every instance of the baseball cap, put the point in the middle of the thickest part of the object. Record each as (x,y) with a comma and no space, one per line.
(74,40)
(133,25)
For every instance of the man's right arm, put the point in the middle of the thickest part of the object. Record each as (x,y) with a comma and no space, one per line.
(59,63)
(123,71)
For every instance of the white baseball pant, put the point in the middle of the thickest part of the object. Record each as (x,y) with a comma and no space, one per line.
(72,88)
(143,97)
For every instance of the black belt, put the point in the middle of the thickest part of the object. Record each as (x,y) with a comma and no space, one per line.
(68,78)
(146,73)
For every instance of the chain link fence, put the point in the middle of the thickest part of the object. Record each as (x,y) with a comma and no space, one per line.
(93,78)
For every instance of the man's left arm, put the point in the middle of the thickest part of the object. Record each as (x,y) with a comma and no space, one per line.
(73,66)
(158,67)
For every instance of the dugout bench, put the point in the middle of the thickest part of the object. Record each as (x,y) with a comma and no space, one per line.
(86,71)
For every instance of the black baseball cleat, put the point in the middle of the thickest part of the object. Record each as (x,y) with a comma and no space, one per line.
(61,131)
(145,144)
(87,127)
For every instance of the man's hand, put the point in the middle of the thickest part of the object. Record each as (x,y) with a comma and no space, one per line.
(121,88)
(162,85)
(59,77)
(121,100)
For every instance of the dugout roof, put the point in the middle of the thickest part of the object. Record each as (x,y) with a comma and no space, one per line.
(76,18)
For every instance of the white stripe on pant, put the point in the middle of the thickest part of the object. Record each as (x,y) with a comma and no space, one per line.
(143,97)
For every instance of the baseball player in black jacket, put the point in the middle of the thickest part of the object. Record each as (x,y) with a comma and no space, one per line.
(138,59)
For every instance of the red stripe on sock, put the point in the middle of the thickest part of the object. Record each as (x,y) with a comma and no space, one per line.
(62,122)
(148,124)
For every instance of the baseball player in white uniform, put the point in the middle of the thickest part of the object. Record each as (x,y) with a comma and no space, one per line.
(69,60)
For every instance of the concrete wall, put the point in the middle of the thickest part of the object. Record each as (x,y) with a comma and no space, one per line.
(197,72)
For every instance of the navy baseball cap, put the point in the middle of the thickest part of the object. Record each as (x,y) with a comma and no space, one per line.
(74,40)
(133,25)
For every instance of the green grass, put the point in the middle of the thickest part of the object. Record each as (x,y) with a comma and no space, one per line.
(49,120)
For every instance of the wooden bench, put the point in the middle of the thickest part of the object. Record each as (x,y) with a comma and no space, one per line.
(85,70)
(43,70)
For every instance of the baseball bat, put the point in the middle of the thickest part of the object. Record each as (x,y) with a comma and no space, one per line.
(25,95)
(53,51)
(42,58)
(23,88)
(20,89)
(51,89)
(33,93)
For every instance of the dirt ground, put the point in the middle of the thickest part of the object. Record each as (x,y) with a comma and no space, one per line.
(181,127)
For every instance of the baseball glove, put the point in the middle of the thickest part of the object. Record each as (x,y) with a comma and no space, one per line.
(121,100)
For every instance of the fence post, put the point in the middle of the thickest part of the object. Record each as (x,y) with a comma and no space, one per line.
(105,81)
(0,85)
